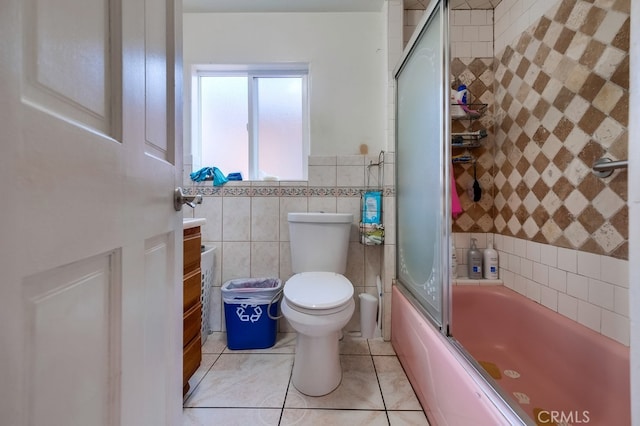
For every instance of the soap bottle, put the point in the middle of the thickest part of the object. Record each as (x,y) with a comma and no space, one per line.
(474,261)
(454,260)
(462,90)
(490,264)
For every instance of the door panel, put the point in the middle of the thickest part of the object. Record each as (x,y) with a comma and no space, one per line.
(155,78)
(158,274)
(68,66)
(90,245)
(74,305)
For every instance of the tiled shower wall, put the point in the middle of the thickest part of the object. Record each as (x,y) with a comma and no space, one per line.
(477,75)
(472,65)
(247,222)
(561,103)
(562,98)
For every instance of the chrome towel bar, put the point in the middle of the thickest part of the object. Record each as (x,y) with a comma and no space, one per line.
(604,167)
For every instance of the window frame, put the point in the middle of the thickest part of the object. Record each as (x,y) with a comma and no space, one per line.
(253,72)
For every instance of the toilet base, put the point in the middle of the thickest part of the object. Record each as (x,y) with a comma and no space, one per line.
(316,367)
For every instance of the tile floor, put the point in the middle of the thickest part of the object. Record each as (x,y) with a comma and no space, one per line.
(254,387)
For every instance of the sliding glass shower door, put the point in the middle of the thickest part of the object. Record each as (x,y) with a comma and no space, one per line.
(422,166)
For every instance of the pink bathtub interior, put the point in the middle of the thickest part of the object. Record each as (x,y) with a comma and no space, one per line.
(550,365)
(544,361)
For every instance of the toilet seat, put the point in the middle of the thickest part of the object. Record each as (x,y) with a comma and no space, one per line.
(318,293)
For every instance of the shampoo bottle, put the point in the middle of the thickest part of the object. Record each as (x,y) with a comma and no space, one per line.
(474,261)
(490,265)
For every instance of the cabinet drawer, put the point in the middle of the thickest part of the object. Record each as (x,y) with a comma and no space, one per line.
(192,323)
(191,249)
(192,356)
(192,288)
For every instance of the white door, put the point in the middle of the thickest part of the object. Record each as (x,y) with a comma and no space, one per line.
(90,244)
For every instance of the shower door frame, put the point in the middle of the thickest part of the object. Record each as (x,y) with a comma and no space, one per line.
(444,320)
(503,402)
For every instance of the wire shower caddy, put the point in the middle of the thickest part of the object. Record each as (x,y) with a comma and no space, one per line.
(371,226)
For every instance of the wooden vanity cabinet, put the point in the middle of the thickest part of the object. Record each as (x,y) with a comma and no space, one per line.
(191,307)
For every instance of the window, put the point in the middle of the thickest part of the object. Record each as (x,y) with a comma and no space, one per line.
(252,120)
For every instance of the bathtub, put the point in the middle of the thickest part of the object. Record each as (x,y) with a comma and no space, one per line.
(569,371)
(552,364)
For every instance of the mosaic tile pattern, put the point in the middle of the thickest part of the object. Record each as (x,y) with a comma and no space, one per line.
(249,190)
(477,75)
(562,96)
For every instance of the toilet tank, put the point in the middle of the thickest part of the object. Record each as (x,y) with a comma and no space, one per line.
(319,241)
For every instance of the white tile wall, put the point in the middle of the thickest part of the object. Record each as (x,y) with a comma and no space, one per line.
(471,33)
(549,298)
(395,12)
(588,288)
(411,20)
(236,219)
(247,222)
(265,259)
(578,286)
(265,219)
(211,210)
(236,260)
(589,315)
(322,175)
(350,176)
(568,306)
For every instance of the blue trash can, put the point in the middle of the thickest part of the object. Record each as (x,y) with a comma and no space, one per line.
(251,311)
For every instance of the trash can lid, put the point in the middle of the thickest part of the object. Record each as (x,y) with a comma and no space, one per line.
(318,290)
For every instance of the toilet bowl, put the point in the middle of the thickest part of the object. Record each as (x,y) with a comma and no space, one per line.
(317,305)
(318,299)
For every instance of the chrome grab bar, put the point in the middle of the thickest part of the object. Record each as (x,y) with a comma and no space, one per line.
(604,167)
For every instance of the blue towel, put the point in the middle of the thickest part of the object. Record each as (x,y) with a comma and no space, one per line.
(209,172)
(234,176)
(218,177)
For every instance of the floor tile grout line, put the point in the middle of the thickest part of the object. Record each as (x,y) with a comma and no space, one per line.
(192,391)
(384,404)
(377,410)
(414,392)
(286,393)
(378,380)
(348,353)
(212,407)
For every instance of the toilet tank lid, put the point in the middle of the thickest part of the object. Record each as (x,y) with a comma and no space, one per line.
(320,217)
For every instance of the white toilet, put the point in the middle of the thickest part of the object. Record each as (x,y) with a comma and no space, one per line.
(318,299)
